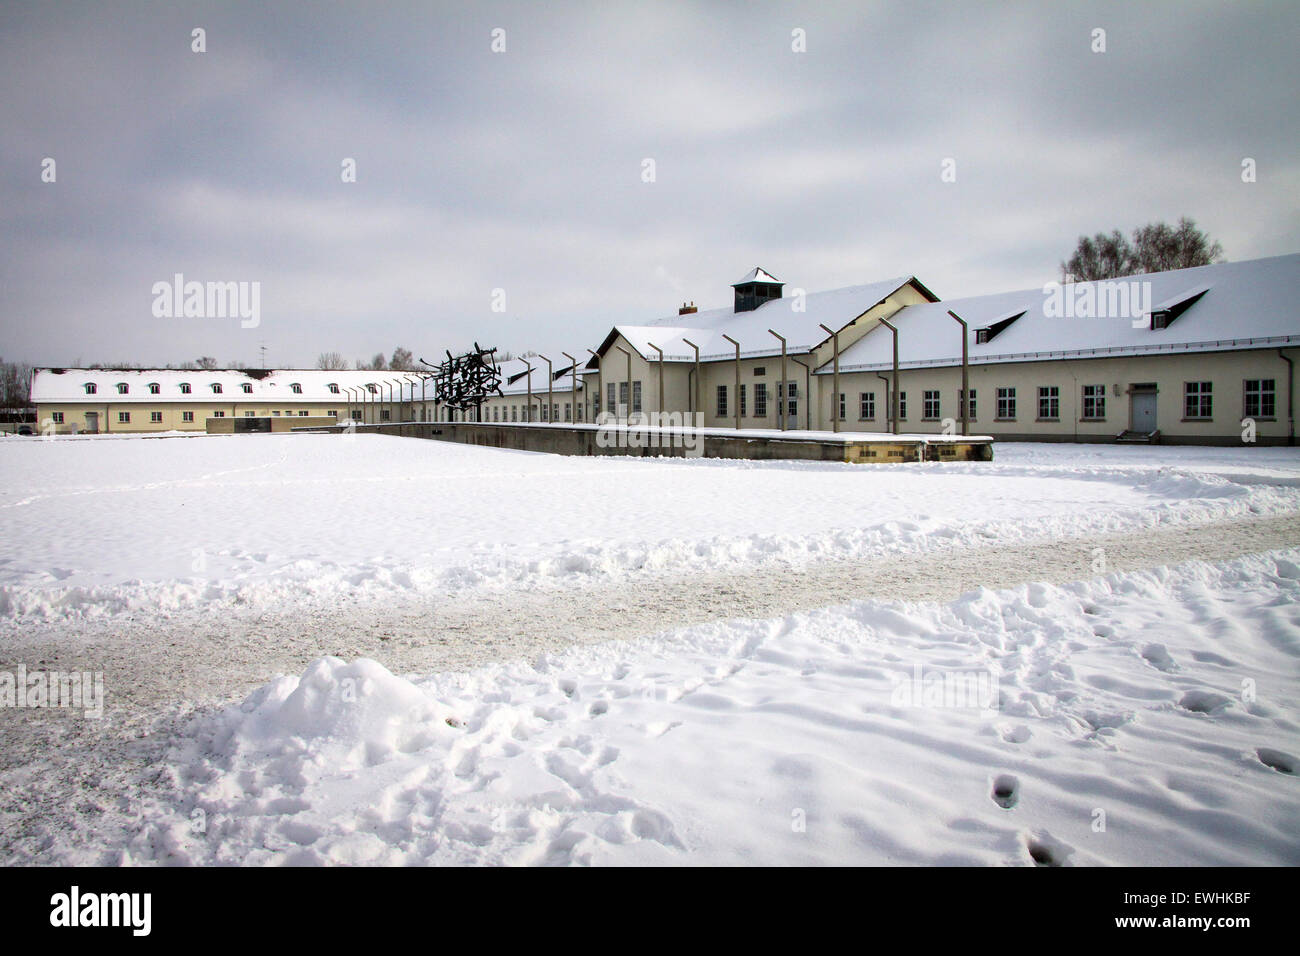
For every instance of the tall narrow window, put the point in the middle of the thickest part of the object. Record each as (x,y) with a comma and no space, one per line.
(930,405)
(744,407)
(760,400)
(722,401)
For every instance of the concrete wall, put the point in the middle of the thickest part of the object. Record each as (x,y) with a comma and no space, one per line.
(561,440)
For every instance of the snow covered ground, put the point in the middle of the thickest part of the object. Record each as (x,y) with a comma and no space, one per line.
(1144,718)
(91,528)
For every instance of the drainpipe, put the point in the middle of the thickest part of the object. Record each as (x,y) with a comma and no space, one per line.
(894,329)
(628,355)
(573,388)
(780,412)
(835,399)
(661,379)
(600,398)
(1290,397)
(807,389)
(696,394)
(965,375)
(736,398)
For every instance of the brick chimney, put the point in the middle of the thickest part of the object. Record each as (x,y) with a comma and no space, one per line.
(687,309)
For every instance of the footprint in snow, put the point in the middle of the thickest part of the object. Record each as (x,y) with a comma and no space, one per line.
(1006,791)
(1017,734)
(1045,850)
(1157,655)
(1204,702)
(1279,760)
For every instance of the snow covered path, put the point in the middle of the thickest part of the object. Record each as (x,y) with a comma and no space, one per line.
(1142,718)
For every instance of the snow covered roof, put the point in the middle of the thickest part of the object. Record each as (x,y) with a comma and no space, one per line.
(236,385)
(758,274)
(1231,305)
(798,319)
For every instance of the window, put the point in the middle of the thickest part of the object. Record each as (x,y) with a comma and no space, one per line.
(1198,402)
(930,405)
(333,387)
(333,413)
(371,387)
(568,411)
(970,412)
(496,414)
(744,406)
(1006,404)
(91,388)
(302,413)
(722,401)
(866,406)
(636,396)
(295,388)
(789,393)
(1049,403)
(982,336)
(155,417)
(246,388)
(56,417)
(189,416)
(154,388)
(384,414)
(1094,402)
(124,418)
(902,404)
(1261,398)
(760,399)
(123,388)
(843,413)
(185,388)
(218,414)
(248,414)
(275,414)
(759,372)
(216,388)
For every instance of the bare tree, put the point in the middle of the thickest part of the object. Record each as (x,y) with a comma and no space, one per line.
(1156,247)
(402,361)
(206,362)
(379,363)
(331,361)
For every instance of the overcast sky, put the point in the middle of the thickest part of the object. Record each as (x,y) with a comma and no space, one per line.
(524,170)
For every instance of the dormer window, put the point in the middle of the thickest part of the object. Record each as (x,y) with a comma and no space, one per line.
(216,388)
(993,330)
(248,389)
(154,388)
(123,388)
(296,388)
(371,387)
(333,387)
(1164,313)
(91,388)
(185,388)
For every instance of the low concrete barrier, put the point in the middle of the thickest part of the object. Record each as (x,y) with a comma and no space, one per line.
(652,442)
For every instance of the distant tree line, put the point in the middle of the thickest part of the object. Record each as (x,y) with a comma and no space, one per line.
(1156,247)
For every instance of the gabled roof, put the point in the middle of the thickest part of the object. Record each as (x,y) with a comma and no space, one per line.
(798,319)
(1231,305)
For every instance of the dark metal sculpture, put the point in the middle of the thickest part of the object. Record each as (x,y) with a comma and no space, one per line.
(466,381)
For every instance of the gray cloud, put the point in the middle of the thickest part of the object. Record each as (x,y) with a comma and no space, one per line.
(522,170)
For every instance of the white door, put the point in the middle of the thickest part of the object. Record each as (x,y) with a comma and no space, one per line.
(1144,412)
(787,404)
